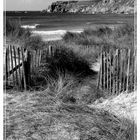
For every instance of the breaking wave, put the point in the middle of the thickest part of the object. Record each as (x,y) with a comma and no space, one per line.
(29,26)
(53,35)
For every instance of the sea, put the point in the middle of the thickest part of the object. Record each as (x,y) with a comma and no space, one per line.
(53,26)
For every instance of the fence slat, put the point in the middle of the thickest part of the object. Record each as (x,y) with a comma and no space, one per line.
(20,79)
(117,69)
(6,68)
(120,86)
(107,61)
(135,69)
(114,61)
(15,64)
(104,70)
(124,69)
(12,65)
(8,74)
(110,69)
(128,66)
(100,73)
(23,69)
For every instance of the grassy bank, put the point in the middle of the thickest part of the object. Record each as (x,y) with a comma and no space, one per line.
(50,114)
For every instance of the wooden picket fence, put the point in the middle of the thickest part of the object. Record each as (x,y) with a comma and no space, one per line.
(19,64)
(117,71)
(117,68)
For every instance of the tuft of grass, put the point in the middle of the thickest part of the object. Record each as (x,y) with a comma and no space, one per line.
(14,31)
(23,37)
(34,43)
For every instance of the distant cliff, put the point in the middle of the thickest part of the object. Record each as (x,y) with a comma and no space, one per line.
(61,6)
(93,6)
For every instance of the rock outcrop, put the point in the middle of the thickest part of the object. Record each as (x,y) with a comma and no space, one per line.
(61,6)
(93,6)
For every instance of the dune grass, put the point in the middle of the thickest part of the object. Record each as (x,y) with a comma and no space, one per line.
(14,32)
(23,37)
(120,37)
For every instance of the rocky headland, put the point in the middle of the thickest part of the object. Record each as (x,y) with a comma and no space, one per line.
(93,6)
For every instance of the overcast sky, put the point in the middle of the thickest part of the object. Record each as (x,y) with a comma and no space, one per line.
(27,4)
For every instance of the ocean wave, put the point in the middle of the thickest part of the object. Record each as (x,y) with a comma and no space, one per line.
(61,32)
(29,26)
(56,32)
(53,35)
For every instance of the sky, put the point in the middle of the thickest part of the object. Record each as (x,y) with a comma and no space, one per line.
(25,5)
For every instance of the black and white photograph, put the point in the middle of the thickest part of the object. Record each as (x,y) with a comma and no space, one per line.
(69,69)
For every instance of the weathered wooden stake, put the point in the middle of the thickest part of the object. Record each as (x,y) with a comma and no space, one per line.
(100,73)
(15,65)
(23,70)
(128,67)
(135,69)
(13,75)
(104,70)
(120,85)
(113,87)
(107,70)
(20,79)
(110,71)
(116,73)
(6,68)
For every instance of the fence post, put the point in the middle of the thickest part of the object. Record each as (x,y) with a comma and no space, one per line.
(100,72)
(110,71)
(23,70)
(19,68)
(120,85)
(113,84)
(11,54)
(104,70)
(27,62)
(128,65)
(6,68)
(135,69)
(117,69)
(124,69)
(107,56)
(15,64)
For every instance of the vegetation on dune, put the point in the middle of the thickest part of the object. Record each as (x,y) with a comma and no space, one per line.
(68,105)
(34,43)
(120,37)
(21,36)
(14,31)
